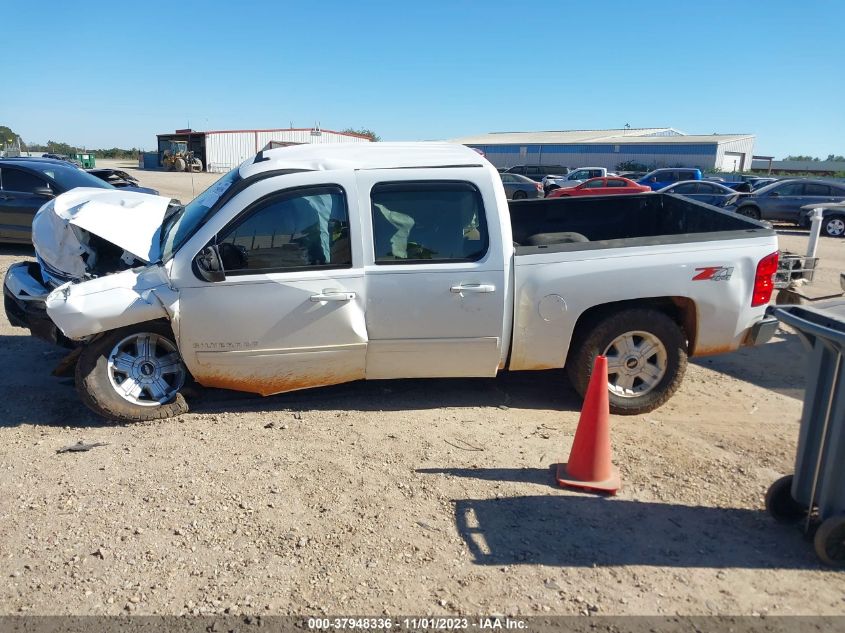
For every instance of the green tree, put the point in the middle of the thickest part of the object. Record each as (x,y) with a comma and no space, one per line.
(836,158)
(799,157)
(6,134)
(363,132)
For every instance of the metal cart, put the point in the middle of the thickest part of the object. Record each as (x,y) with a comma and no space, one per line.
(815,495)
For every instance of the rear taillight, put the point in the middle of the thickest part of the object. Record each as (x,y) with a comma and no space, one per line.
(539,186)
(764,280)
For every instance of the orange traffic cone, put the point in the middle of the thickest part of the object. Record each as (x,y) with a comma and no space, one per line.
(589,465)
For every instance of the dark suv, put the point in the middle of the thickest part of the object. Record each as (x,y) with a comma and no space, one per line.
(26,184)
(538,172)
(781,201)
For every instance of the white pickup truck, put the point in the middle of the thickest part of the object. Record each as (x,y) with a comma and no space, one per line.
(573,178)
(320,264)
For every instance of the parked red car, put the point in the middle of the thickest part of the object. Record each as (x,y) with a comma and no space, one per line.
(601,187)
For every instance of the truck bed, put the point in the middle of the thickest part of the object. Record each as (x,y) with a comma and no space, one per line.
(567,224)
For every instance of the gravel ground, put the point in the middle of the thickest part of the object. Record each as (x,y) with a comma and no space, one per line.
(405,497)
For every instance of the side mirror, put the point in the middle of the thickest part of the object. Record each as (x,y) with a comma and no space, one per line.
(43,192)
(208,265)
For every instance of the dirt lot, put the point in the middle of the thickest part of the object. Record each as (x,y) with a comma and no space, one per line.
(404,497)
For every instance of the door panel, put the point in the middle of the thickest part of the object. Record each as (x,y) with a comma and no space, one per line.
(290,313)
(436,316)
(268,336)
(18,203)
(784,206)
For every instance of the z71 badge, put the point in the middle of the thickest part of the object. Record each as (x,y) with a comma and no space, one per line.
(713,273)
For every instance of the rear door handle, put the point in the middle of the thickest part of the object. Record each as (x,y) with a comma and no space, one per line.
(473,288)
(329,294)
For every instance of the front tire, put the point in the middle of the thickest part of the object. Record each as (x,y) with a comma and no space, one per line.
(646,354)
(133,374)
(834,226)
(749,212)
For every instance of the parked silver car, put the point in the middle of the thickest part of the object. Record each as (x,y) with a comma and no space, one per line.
(781,201)
(520,187)
(704,191)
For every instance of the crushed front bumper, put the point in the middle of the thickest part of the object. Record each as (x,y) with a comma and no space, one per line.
(24,293)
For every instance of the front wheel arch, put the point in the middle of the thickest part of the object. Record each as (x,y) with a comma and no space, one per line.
(97,387)
(750,211)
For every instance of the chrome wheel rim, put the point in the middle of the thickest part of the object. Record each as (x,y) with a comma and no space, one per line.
(636,363)
(835,227)
(146,369)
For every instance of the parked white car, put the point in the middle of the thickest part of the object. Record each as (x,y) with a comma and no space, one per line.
(573,178)
(320,264)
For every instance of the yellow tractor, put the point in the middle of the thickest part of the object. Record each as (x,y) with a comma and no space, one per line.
(178,158)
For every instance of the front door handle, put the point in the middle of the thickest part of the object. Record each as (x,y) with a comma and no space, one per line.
(473,288)
(330,294)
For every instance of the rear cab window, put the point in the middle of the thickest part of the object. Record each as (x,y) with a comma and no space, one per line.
(428,222)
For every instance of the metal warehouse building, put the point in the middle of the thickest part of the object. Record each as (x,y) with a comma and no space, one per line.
(647,147)
(222,150)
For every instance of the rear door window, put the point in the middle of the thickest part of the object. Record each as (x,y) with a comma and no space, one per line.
(686,175)
(816,189)
(428,221)
(615,182)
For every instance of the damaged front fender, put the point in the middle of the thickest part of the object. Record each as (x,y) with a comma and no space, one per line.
(81,310)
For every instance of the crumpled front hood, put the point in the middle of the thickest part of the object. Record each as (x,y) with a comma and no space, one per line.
(129,220)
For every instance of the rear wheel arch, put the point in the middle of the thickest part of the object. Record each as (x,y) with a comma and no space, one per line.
(647,345)
(681,310)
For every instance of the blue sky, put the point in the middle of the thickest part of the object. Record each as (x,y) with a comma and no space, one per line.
(98,74)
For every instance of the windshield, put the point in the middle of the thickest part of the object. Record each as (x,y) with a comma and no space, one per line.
(70,177)
(185,220)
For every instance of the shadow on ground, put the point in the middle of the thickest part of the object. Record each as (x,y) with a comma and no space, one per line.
(779,366)
(518,390)
(583,531)
(29,394)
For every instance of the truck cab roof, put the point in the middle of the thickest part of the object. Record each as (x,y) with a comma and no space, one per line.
(359,156)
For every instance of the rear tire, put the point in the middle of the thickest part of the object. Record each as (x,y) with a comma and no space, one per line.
(833,226)
(645,379)
(519,195)
(99,370)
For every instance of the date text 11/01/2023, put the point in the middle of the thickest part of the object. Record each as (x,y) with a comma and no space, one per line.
(417,624)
